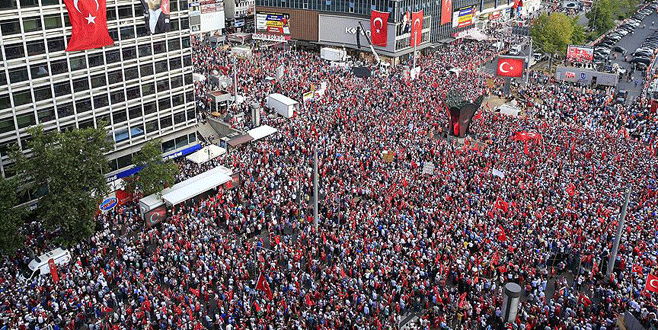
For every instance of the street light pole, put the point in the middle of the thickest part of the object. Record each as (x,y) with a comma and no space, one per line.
(620,229)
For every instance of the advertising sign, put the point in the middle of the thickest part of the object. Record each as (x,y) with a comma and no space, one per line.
(463,17)
(274,23)
(509,66)
(580,53)
(108,204)
(155,216)
(212,15)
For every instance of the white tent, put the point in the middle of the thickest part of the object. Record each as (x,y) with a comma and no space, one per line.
(206,153)
(509,109)
(196,185)
(473,34)
(261,132)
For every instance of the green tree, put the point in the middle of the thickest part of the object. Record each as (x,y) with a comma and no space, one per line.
(156,174)
(71,166)
(553,33)
(11,217)
(603,14)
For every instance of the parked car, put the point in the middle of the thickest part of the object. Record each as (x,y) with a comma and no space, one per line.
(641,59)
(619,49)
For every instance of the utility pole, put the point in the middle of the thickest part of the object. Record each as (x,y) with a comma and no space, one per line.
(315,188)
(527,73)
(620,228)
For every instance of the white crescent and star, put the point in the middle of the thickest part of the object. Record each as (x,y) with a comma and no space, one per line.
(90,19)
(381,23)
(417,21)
(652,284)
(502,65)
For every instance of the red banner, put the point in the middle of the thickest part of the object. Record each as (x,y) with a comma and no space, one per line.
(378,28)
(416,28)
(580,54)
(123,197)
(510,67)
(89,25)
(446,12)
(53,270)
(264,286)
(652,283)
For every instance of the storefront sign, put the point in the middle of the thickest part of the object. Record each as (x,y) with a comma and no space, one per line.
(270,37)
(108,204)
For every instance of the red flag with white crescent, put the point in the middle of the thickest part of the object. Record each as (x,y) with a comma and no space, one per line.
(53,270)
(416,28)
(88,24)
(379,28)
(652,283)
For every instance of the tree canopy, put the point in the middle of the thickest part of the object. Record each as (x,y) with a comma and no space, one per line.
(552,33)
(605,12)
(11,218)
(156,174)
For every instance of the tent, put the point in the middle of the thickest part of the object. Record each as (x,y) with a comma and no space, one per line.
(508,109)
(473,34)
(206,153)
(261,132)
(196,185)
(239,140)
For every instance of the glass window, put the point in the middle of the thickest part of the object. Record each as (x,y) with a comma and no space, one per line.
(96,60)
(181,141)
(39,70)
(42,93)
(101,101)
(177,100)
(186,42)
(191,114)
(22,98)
(163,85)
(7,4)
(50,2)
(127,32)
(165,122)
(173,6)
(125,12)
(187,60)
(62,88)
(164,104)
(6,146)
(111,13)
(139,10)
(64,110)
(83,106)
(3,78)
(98,80)
(10,27)
(135,112)
(131,73)
(26,120)
(103,120)
(117,97)
(148,88)
(86,123)
(67,127)
(55,44)
(115,77)
(174,44)
(149,108)
(5,102)
(67,21)
(191,137)
(159,47)
(151,126)
(189,97)
(114,33)
(177,82)
(129,53)
(144,50)
(133,92)
(81,84)
(161,66)
(7,125)
(142,31)
(179,117)
(136,130)
(112,56)
(125,161)
(32,24)
(174,25)
(46,115)
(119,116)
(184,23)
(175,63)
(18,75)
(113,165)
(36,47)
(188,78)
(59,66)
(52,21)
(29,3)
(78,63)
(146,70)
(168,146)
(14,51)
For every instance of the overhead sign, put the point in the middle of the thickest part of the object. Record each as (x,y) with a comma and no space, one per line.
(108,204)
(274,23)
(463,17)
(580,53)
(509,66)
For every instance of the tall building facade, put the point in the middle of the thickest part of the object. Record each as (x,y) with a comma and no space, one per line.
(141,87)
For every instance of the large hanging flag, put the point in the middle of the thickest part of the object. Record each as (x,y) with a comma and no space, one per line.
(416,28)
(378,28)
(88,24)
(156,15)
(446,12)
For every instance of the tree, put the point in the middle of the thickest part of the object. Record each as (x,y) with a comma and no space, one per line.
(11,217)
(604,13)
(156,174)
(553,33)
(70,165)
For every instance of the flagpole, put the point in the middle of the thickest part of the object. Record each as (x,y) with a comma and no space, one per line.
(415,47)
(620,228)
(315,188)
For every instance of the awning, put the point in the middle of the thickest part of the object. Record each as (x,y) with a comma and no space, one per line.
(206,153)
(240,140)
(197,185)
(261,132)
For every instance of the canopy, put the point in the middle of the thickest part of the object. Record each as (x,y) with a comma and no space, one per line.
(473,34)
(206,153)
(261,132)
(196,185)
(508,109)
(240,140)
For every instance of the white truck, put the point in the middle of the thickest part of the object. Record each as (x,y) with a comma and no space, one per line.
(40,265)
(282,104)
(332,54)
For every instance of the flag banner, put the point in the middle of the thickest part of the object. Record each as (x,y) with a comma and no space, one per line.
(156,15)
(446,12)
(88,25)
(652,283)
(510,66)
(53,270)
(571,189)
(416,28)
(378,28)
(264,286)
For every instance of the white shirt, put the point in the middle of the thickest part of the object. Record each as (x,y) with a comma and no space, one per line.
(153,18)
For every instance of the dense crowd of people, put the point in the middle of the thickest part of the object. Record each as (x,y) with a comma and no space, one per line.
(392,243)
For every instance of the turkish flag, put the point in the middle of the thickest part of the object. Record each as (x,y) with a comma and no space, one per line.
(501,205)
(53,270)
(502,236)
(89,24)
(638,269)
(264,286)
(510,67)
(416,28)
(571,189)
(378,28)
(652,283)
(446,12)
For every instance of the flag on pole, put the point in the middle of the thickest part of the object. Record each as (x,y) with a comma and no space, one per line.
(264,286)
(652,283)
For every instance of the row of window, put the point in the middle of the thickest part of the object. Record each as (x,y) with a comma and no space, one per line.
(167,146)
(140,128)
(50,113)
(125,11)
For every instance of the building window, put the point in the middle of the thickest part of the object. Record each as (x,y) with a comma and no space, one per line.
(18,75)
(188,78)
(191,114)
(125,161)
(83,106)
(149,108)
(10,27)
(98,81)
(96,60)
(86,123)
(175,63)
(7,125)
(42,93)
(148,88)
(135,112)
(63,88)
(119,116)
(39,70)
(163,85)
(142,31)
(55,44)
(36,47)
(165,122)
(7,4)
(14,51)
(133,92)
(131,73)
(58,66)
(112,56)
(111,14)
(100,101)
(64,110)
(161,66)
(179,117)
(181,141)
(117,97)
(32,24)
(164,104)
(46,115)
(151,126)
(81,84)
(22,98)
(159,47)
(78,63)
(127,32)
(192,137)
(145,50)
(177,100)
(187,60)
(174,44)
(176,82)
(168,146)
(29,3)
(146,70)
(125,12)
(189,97)
(129,53)
(5,102)
(186,42)
(115,77)
(52,21)
(26,120)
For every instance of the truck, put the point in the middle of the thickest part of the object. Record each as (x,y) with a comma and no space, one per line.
(282,104)
(332,54)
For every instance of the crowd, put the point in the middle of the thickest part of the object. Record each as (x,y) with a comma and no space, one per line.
(392,243)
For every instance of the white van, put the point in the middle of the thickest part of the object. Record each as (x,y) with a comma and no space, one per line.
(40,264)
(516,50)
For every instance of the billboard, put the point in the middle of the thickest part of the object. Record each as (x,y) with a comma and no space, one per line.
(273,23)
(463,17)
(510,66)
(212,15)
(580,53)
(155,216)
(156,15)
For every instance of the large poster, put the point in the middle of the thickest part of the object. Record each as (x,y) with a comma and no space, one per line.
(155,216)
(274,23)
(580,54)
(446,11)
(463,17)
(156,15)
(212,15)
